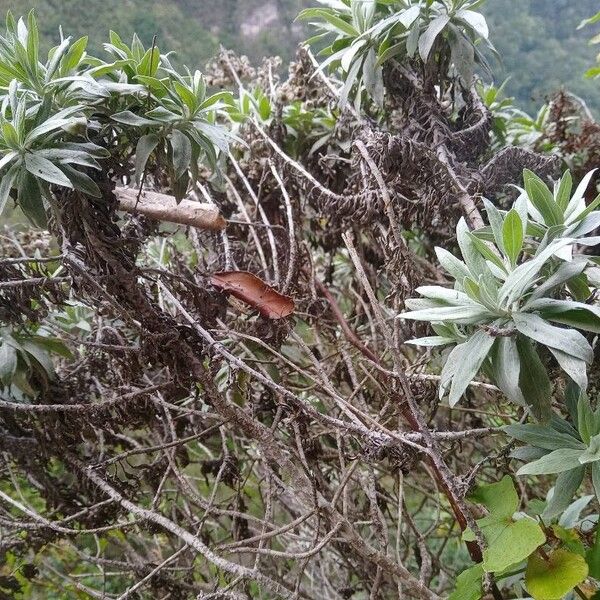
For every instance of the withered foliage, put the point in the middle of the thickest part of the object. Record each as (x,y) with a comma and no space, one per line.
(196,448)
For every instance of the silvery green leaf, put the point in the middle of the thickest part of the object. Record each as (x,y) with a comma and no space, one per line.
(145,147)
(451,264)
(6,184)
(585,226)
(524,275)
(428,38)
(568,312)
(447,295)
(577,202)
(563,190)
(542,199)
(467,315)
(558,461)
(431,341)
(43,169)
(565,488)
(182,152)
(570,518)
(565,272)
(543,436)
(476,21)
(496,222)
(592,453)
(512,235)
(596,479)
(8,362)
(474,352)
(573,367)
(528,453)
(566,340)
(506,366)
(534,381)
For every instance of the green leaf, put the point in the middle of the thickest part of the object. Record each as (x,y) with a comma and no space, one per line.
(565,340)
(592,454)
(30,199)
(542,199)
(469,584)
(566,486)
(593,557)
(556,576)
(6,184)
(473,353)
(451,264)
(182,152)
(534,381)
(509,541)
(506,367)
(428,38)
(543,436)
(563,192)
(128,118)
(8,362)
(487,252)
(145,147)
(42,168)
(512,235)
(557,461)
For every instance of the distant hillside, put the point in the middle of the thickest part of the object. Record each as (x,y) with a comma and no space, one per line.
(537,39)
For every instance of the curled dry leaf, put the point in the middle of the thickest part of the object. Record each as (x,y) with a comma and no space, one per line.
(254,291)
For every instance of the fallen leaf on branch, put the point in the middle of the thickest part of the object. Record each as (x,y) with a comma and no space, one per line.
(255,292)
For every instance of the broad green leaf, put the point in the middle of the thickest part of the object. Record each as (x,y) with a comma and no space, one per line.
(469,584)
(509,541)
(512,236)
(553,577)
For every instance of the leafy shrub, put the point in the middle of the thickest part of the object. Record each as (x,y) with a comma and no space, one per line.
(364,35)
(519,275)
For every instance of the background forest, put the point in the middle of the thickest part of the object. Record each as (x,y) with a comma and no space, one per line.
(538,40)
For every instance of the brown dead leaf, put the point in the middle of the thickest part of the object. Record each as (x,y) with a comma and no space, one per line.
(255,292)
